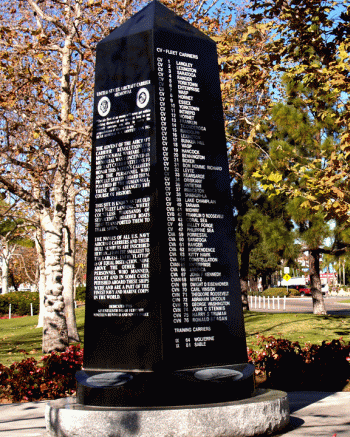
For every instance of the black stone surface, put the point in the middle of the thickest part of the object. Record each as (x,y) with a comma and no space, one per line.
(162,286)
(162,389)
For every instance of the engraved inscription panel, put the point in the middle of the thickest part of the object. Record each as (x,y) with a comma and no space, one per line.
(199,293)
(122,168)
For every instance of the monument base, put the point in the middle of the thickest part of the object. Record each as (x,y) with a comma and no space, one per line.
(159,389)
(267,411)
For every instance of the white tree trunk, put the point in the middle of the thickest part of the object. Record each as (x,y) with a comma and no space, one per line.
(55,333)
(6,254)
(42,280)
(68,269)
(5,267)
(42,287)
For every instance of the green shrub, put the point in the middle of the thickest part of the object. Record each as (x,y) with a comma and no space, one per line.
(20,303)
(80,293)
(281,292)
(294,292)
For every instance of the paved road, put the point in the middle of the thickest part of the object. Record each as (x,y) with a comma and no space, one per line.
(299,305)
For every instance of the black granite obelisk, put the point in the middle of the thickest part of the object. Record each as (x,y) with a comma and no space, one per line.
(163,306)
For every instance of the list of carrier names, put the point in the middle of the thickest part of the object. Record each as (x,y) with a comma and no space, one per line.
(199,295)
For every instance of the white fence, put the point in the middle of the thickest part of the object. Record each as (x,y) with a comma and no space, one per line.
(263,302)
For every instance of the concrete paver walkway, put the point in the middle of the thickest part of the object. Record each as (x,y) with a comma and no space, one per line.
(316,414)
(23,420)
(313,414)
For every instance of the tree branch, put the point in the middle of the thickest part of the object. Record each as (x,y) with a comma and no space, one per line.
(22,193)
(47,17)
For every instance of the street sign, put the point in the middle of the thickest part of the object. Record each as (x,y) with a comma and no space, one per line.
(286,277)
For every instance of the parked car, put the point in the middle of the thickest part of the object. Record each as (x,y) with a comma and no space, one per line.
(303,290)
(306,291)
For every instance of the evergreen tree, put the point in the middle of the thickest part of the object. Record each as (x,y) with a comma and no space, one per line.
(277,249)
(340,252)
(312,231)
(295,139)
(263,229)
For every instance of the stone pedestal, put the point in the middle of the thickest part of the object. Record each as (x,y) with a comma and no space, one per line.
(265,412)
(166,389)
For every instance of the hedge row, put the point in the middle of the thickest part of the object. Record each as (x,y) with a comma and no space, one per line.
(80,293)
(281,292)
(287,366)
(20,303)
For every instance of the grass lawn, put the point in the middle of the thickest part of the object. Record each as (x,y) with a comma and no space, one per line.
(20,335)
(297,327)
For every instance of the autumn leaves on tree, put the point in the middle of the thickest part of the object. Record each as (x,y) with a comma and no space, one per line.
(46,79)
(311,50)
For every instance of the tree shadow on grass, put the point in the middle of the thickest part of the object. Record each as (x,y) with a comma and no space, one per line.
(258,317)
(269,328)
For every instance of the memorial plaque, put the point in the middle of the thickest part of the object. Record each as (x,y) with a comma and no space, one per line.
(163,287)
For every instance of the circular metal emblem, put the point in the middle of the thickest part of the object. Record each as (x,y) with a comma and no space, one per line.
(142,97)
(104,106)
